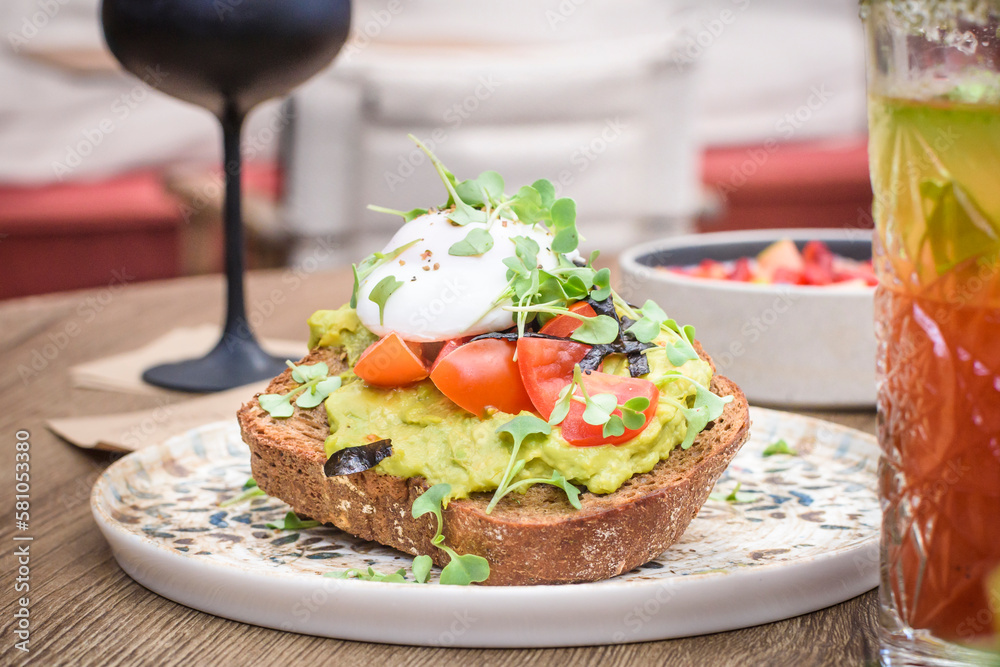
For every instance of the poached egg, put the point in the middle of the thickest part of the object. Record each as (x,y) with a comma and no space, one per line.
(445,296)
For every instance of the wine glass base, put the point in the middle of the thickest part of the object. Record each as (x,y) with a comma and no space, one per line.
(233,362)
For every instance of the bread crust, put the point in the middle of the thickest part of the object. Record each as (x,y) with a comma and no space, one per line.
(535,538)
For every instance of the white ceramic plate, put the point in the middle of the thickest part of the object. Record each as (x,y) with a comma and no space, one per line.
(806,541)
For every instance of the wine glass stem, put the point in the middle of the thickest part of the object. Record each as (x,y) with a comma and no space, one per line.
(236,324)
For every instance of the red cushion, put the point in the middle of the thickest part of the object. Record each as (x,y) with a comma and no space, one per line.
(798,184)
(87,234)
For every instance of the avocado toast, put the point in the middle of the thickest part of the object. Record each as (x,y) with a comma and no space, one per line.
(565,434)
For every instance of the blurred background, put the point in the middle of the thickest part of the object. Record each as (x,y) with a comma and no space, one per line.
(659,117)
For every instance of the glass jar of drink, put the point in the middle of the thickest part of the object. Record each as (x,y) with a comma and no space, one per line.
(934,123)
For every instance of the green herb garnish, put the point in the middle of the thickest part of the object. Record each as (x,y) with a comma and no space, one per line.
(422,568)
(317,386)
(407,216)
(779,447)
(647,328)
(682,350)
(250,490)
(707,406)
(476,242)
(463,213)
(734,497)
(599,330)
(599,409)
(381,293)
(397,577)
(519,428)
(462,570)
(293,522)
(563,215)
(364,268)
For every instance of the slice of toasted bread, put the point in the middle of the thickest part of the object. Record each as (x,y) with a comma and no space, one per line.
(535,538)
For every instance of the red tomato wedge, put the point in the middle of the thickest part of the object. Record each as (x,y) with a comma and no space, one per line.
(481,374)
(563,325)
(741,270)
(580,433)
(446,349)
(785,276)
(391,362)
(547,366)
(818,268)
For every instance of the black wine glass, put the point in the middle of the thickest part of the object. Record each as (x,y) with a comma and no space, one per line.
(226,56)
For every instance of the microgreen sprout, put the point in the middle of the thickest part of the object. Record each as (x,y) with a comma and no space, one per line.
(293,522)
(250,490)
(463,213)
(381,293)
(778,447)
(462,569)
(707,406)
(734,497)
(316,386)
(599,409)
(519,428)
(364,268)
(397,577)
(647,328)
(407,216)
(682,350)
(598,330)
(476,242)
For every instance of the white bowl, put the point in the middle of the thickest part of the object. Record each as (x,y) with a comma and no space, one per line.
(785,345)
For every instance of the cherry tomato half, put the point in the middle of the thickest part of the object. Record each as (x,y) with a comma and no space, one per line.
(546,367)
(449,347)
(481,374)
(564,325)
(391,362)
(580,433)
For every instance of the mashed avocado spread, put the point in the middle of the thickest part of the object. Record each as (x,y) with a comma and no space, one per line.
(435,439)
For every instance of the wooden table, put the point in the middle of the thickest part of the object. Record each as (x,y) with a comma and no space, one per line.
(85,610)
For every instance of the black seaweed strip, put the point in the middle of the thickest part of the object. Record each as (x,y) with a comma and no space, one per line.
(357,459)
